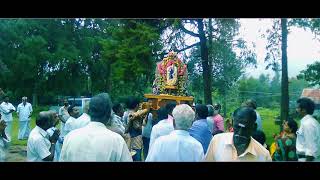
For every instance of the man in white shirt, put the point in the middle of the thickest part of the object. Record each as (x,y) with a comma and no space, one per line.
(84,119)
(24,111)
(116,120)
(95,142)
(63,115)
(164,126)
(41,146)
(178,145)
(4,141)
(6,112)
(71,123)
(308,134)
(239,145)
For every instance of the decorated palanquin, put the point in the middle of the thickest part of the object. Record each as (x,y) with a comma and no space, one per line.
(170,83)
(171,76)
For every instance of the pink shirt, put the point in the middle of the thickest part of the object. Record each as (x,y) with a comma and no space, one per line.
(218,123)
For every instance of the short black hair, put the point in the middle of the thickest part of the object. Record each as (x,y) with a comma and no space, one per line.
(245,113)
(100,108)
(250,103)
(170,106)
(202,111)
(70,108)
(116,107)
(306,104)
(162,113)
(210,110)
(132,102)
(217,106)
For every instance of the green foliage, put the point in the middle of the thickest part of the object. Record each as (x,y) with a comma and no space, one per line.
(311,74)
(128,57)
(227,65)
(78,56)
(273,47)
(267,92)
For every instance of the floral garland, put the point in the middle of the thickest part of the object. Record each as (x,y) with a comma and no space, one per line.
(160,80)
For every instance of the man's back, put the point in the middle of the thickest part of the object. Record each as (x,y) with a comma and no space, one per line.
(69,126)
(164,127)
(177,146)
(94,142)
(221,148)
(200,131)
(83,120)
(38,145)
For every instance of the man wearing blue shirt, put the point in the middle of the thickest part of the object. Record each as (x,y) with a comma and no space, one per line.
(200,129)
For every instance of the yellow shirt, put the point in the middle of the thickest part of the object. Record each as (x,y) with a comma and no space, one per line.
(221,148)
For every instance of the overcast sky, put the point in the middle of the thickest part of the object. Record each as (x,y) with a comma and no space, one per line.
(302,49)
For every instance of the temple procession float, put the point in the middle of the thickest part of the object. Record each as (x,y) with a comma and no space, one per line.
(170,83)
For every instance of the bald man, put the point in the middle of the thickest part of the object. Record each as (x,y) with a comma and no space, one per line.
(41,146)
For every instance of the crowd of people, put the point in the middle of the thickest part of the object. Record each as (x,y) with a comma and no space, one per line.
(115,132)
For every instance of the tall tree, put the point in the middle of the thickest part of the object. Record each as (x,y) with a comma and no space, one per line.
(273,54)
(205,63)
(284,77)
(215,35)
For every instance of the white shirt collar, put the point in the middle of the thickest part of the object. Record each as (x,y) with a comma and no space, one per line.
(42,132)
(96,124)
(250,149)
(181,132)
(308,116)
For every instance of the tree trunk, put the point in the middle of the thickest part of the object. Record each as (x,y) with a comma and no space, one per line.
(210,55)
(205,63)
(284,78)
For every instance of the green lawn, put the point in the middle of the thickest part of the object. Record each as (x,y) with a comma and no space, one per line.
(268,117)
(268,123)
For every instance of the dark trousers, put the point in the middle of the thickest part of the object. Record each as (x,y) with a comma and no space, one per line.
(146,142)
(137,156)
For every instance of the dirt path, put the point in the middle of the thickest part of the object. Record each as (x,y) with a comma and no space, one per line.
(16,153)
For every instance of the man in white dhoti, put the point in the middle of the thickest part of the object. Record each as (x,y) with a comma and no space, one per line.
(6,112)
(24,111)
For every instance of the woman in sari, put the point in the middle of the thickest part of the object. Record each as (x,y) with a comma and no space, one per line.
(286,142)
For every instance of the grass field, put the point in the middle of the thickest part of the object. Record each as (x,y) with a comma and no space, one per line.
(267,115)
(15,125)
